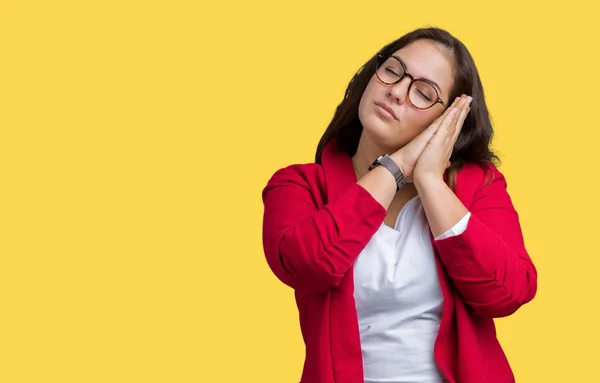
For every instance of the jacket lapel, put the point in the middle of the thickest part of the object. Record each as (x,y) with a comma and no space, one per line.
(346,352)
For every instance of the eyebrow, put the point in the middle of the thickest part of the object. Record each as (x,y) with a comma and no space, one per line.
(423,78)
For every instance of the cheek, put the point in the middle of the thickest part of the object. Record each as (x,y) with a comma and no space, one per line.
(417,120)
(424,118)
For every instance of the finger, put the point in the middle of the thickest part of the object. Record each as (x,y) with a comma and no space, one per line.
(456,102)
(442,132)
(428,133)
(462,103)
(467,102)
(462,106)
(459,103)
(448,128)
(455,133)
(441,118)
(454,124)
(465,108)
(460,122)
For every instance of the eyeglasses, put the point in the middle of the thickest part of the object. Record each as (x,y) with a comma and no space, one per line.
(422,94)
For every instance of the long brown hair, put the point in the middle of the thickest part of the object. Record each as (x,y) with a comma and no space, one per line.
(473,144)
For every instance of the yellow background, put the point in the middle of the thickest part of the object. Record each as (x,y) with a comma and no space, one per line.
(136,138)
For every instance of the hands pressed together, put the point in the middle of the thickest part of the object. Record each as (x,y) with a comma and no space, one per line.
(428,155)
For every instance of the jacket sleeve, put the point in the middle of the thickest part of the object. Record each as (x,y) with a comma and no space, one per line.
(488,262)
(310,248)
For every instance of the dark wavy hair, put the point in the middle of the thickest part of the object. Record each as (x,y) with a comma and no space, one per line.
(474,143)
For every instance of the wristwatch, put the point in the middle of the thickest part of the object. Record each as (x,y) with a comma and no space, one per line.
(385,161)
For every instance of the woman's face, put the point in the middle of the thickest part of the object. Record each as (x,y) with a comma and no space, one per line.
(423,60)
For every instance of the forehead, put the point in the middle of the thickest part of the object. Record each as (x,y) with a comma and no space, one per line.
(424,59)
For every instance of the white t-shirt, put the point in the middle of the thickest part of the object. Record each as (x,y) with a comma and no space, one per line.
(398,299)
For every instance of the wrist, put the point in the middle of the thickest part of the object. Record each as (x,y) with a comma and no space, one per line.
(427,180)
(398,158)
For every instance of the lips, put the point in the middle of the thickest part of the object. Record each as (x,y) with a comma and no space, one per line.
(388,109)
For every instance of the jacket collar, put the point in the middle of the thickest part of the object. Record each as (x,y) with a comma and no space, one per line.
(338,170)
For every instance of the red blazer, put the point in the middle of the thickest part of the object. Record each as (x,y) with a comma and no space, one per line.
(317,220)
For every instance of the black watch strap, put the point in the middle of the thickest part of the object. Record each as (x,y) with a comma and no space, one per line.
(385,161)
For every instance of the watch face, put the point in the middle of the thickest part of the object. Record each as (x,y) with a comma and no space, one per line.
(376,162)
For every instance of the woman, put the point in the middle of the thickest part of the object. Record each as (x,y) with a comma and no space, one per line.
(401,241)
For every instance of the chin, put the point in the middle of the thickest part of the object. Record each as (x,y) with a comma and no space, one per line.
(388,136)
(378,128)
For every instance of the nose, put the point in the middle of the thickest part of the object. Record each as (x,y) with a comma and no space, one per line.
(399,91)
